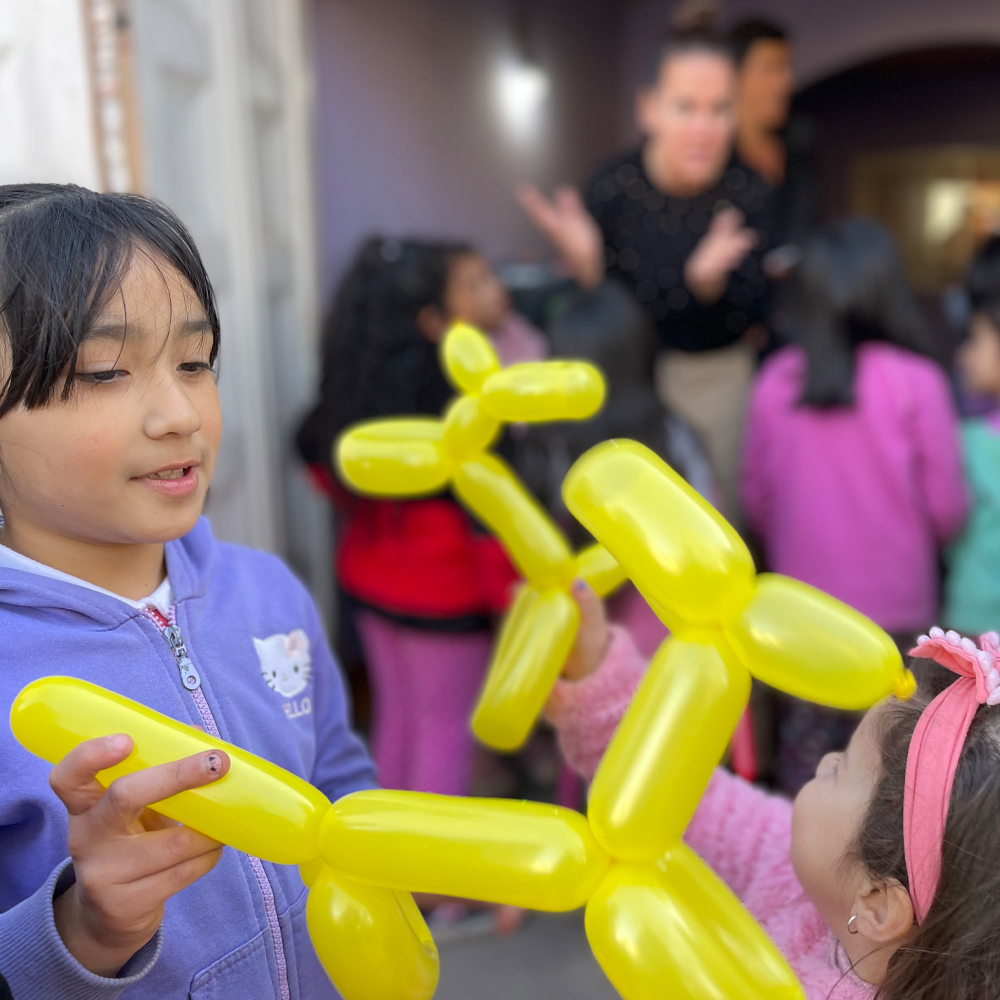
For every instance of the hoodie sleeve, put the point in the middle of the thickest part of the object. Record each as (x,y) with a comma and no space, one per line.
(35,961)
(586,713)
(342,763)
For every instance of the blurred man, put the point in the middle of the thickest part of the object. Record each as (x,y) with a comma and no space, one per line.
(770,142)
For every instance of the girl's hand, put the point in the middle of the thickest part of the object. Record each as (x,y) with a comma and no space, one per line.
(570,228)
(128,860)
(592,638)
(718,253)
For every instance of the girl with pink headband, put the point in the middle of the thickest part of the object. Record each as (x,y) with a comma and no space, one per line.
(882,880)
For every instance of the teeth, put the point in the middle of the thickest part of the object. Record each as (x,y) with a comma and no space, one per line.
(169,474)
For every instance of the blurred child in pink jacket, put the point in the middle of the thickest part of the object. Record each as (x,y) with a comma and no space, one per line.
(852,470)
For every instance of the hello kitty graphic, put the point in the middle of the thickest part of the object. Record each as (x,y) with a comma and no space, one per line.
(285,662)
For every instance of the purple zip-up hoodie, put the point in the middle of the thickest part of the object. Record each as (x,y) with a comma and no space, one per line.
(238,933)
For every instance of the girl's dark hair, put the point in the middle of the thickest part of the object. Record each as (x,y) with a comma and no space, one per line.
(746,34)
(694,28)
(376,362)
(983,279)
(64,252)
(955,953)
(849,288)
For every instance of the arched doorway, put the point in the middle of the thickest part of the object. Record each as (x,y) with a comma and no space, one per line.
(914,140)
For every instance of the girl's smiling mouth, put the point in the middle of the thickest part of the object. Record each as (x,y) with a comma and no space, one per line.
(173,481)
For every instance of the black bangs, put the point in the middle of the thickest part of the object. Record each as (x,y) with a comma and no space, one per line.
(64,251)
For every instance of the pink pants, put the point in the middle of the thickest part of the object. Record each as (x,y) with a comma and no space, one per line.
(424,686)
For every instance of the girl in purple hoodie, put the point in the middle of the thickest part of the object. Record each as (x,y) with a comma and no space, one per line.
(109,430)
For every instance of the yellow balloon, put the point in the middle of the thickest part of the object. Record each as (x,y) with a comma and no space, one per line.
(800,640)
(676,931)
(534,642)
(690,565)
(468,358)
(544,390)
(467,429)
(257,807)
(403,457)
(600,569)
(522,853)
(488,486)
(373,943)
(666,748)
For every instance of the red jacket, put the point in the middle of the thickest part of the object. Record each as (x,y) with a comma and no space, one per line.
(418,558)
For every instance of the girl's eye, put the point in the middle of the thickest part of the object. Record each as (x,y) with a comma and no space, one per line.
(101,378)
(194,367)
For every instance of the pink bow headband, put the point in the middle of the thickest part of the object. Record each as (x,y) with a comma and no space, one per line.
(935,749)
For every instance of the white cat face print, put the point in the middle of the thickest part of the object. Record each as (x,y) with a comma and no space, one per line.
(285,662)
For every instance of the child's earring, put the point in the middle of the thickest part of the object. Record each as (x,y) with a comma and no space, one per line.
(851,929)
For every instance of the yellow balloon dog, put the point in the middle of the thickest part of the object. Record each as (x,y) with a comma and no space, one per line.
(412,456)
(659,921)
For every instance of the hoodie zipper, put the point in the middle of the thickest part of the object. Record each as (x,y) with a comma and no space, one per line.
(191,680)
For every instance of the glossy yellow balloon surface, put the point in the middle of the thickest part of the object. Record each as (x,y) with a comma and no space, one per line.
(257,807)
(674,930)
(544,390)
(533,644)
(666,748)
(687,561)
(403,458)
(804,642)
(538,548)
(468,358)
(373,942)
(523,853)
(412,457)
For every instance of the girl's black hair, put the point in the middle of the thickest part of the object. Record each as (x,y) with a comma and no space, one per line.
(64,252)
(849,288)
(376,362)
(983,279)
(954,954)
(693,28)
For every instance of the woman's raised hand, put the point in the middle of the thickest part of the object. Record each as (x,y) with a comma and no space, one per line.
(718,253)
(570,228)
(128,860)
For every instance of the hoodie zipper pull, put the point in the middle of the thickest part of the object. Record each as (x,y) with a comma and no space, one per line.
(189,675)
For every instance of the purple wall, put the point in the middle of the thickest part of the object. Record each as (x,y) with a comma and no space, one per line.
(829,36)
(408,139)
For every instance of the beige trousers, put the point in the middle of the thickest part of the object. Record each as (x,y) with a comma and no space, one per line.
(708,390)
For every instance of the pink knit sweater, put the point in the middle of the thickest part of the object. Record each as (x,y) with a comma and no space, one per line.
(743,833)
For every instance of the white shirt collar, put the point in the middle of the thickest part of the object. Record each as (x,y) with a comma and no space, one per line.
(161,599)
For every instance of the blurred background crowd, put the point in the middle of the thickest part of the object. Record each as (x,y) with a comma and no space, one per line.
(772,224)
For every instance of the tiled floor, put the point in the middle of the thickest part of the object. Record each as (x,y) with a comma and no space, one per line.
(548,959)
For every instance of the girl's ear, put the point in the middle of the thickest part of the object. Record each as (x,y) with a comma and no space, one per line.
(884,911)
(432,324)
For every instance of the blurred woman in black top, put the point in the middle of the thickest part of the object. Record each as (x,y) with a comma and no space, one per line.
(683,225)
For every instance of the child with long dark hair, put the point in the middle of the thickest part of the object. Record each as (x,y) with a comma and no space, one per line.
(109,430)
(852,474)
(427,580)
(879,882)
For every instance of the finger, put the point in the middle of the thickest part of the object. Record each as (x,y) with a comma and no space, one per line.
(153,890)
(592,636)
(535,204)
(73,778)
(568,199)
(141,855)
(727,220)
(128,795)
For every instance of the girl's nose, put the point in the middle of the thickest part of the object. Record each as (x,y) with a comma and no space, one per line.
(172,410)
